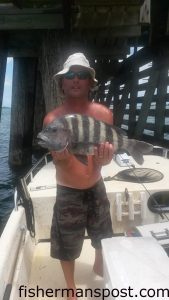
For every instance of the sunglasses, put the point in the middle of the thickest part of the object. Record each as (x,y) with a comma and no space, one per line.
(84,74)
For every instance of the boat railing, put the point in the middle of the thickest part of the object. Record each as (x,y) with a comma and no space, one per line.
(44,160)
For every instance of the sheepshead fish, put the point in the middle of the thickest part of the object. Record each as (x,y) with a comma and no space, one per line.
(81,133)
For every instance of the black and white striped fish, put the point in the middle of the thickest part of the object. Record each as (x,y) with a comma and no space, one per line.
(81,133)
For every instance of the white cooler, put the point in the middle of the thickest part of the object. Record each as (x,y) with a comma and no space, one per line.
(135,263)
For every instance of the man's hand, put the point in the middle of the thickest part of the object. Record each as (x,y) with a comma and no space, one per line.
(103,154)
(58,156)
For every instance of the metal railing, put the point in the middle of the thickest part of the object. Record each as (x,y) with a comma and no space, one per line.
(46,158)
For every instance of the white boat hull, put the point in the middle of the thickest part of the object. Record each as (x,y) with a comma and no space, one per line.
(25,261)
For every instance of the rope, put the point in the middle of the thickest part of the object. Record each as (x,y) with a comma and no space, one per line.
(26,202)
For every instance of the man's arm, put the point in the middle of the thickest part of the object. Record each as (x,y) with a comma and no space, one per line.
(103,154)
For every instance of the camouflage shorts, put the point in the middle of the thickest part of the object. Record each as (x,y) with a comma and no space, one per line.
(74,211)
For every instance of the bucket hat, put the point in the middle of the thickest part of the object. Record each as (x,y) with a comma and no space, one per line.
(76,59)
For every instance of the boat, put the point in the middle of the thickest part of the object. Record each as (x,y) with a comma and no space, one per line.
(139,206)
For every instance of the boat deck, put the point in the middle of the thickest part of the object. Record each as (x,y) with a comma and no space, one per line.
(44,183)
(47,274)
(42,189)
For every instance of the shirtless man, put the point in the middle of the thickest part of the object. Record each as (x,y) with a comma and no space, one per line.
(79,184)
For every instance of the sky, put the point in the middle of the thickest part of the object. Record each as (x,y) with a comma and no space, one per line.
(8,83)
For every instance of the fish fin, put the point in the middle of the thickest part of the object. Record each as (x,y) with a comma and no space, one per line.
(82,158)
(119,131)
(137,149)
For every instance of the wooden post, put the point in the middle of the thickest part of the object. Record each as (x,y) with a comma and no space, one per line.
(100,93)
(39,111)
(133,97)
(50,63)
(110,94)
(3,60)
(161,105)
(122,105)
(159,19)
(146,103)
(116,99)
(22,111)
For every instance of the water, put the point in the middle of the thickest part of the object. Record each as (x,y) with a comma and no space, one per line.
(7,177)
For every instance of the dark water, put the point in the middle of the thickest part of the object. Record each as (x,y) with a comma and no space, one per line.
(8,177)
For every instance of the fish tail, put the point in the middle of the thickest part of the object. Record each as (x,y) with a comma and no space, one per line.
(137,149)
